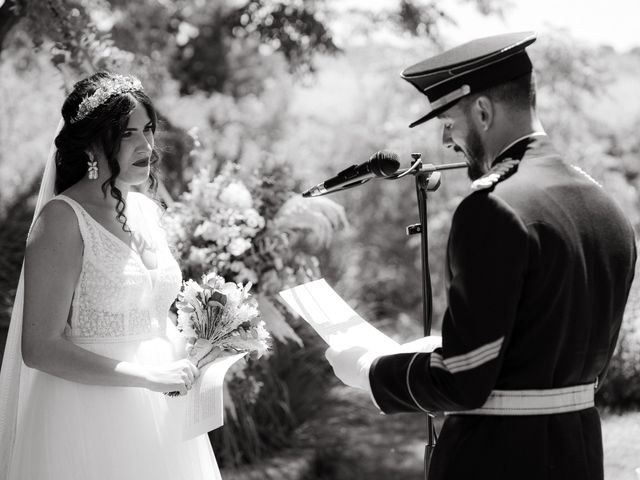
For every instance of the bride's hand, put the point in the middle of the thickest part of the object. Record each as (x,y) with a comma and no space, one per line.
(174,377)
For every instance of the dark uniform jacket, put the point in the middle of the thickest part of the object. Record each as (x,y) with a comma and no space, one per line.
(539,270)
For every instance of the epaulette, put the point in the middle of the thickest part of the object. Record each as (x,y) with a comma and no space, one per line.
(589,177)
(498,173)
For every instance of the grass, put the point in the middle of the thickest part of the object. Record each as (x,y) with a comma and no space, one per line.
(621,439)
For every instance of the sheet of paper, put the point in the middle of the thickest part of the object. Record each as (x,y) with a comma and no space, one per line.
(202,409)
(423,344)
(334,320)
(340,326)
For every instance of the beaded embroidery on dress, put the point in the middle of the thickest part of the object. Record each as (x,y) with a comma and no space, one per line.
(117,297)
(68,430)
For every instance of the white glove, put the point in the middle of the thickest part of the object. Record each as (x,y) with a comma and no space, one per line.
(424,344)
(352,366)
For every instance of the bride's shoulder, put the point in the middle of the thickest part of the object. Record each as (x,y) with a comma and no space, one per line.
(57,222)
(54,247)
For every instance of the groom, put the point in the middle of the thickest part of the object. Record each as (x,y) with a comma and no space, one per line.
(539,262)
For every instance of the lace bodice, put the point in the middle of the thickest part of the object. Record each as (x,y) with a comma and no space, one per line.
(117,298)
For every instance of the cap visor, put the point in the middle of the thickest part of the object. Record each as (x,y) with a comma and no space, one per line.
(434,113)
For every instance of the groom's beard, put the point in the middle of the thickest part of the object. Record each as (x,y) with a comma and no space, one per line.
(475,153)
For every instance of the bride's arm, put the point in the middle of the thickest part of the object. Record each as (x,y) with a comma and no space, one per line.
(53,260)
(178,340)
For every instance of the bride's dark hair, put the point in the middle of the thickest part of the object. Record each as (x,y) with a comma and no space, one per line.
(102,128)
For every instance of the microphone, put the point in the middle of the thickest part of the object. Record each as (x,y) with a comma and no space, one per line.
(380,164)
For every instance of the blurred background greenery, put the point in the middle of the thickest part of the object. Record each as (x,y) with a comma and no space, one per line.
(312,84)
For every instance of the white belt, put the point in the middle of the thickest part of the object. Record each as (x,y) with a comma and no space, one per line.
(535,402)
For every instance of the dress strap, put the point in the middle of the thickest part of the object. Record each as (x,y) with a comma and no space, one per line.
(79,211)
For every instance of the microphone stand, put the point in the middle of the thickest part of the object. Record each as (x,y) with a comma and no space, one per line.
(427,179)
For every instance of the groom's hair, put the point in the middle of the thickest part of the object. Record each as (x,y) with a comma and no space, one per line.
(519,93)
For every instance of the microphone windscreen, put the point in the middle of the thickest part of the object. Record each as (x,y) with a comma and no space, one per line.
(384,163)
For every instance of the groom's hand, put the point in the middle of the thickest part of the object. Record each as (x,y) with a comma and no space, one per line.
(352,365)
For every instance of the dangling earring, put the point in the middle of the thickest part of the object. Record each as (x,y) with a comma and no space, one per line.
(93,167)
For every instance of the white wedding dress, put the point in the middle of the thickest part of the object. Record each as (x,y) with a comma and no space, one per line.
(71,431)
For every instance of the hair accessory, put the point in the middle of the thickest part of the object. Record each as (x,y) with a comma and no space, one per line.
(115,85)
(93,167)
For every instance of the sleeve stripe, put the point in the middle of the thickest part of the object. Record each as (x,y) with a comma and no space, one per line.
(409,384)
(436,361)
(470,356)
(476,363)
(468,361)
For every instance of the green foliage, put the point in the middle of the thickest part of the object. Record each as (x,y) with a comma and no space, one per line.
(620,388)
(421,19)
(15,227)
(375,265)
(204,45)
(243,131)
(297,29)
(246,225)
(77,43)
(622,172)
(388,288)
(26,126)
(26,131)
(293,387)
(568,71)
(231,70)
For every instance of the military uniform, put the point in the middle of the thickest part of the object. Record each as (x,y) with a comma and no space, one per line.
(539,265)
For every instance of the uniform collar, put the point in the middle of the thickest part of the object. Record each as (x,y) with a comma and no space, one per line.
(522,142)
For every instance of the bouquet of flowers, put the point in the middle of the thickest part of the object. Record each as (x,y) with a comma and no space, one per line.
(249,226)
(222,315)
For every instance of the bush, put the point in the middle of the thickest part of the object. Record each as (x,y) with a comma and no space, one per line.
(621,386)
(293,387)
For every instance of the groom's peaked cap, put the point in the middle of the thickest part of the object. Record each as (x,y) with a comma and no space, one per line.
(471,67)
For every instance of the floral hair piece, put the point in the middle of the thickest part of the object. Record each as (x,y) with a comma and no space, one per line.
(116,85)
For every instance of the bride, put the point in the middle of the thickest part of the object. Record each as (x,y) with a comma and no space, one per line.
(90,348)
